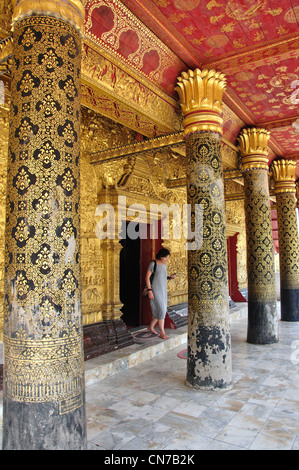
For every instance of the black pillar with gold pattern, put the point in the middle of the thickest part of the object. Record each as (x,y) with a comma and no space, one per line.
(285,188)
(43,405)
(262,305)
(209,347)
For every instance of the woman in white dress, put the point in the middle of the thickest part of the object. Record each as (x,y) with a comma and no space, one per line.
(157,291)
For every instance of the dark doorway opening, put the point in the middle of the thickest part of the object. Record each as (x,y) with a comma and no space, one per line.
(129,278)
(135,257)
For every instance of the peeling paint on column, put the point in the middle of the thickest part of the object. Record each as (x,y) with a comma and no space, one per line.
(208,354)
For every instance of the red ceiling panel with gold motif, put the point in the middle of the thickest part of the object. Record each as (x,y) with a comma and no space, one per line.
(254,42)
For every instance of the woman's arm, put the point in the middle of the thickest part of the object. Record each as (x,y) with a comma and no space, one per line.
(147,279)
(148,284)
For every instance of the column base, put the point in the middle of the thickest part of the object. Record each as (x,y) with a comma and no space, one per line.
(209,360)
(104,337)
(262,322)
(289,304)
(39,426)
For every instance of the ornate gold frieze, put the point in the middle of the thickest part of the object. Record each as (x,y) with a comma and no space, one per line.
(174,143)
(109,76)
(144,147)
(201,93)
(283,172)
(254,150)
(71,11)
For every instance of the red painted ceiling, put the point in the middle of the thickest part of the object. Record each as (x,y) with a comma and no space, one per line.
(255,43)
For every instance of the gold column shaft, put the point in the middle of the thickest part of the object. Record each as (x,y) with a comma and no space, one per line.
(285,189)
(43,344)
(209,355)
(262,316)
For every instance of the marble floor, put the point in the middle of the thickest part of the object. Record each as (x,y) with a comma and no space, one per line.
(144,404)
(149,407)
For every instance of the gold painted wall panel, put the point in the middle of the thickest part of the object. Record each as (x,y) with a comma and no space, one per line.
(97,133)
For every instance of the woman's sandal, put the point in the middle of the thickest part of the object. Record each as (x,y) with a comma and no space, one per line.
(164,337)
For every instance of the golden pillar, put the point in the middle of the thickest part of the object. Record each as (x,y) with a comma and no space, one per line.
(43,343)
(262,308)
(209,348)
(285,189)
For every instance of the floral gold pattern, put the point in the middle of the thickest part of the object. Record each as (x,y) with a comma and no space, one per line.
(42,255)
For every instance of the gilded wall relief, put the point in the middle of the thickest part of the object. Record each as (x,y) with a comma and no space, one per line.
(97,133)
(139,105)
(5,17)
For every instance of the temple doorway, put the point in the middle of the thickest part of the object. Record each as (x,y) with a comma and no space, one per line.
(135,257)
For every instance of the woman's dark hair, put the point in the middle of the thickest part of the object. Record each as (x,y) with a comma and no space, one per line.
(162,253)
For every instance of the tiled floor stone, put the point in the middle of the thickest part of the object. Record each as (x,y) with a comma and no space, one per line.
(142,403)
(260,411)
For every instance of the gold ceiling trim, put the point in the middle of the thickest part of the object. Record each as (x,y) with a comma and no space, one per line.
(151,107)
(143,147)
(126,88)
(147,147)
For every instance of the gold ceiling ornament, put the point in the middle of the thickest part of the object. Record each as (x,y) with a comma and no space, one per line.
(284,176)
(71,11)
(254,148)
(200,93)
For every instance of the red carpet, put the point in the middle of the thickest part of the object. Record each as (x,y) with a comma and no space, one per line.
(144,336)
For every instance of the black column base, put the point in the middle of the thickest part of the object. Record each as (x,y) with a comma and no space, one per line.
(262,322)
(39,426)
(104,337)
(289,304)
